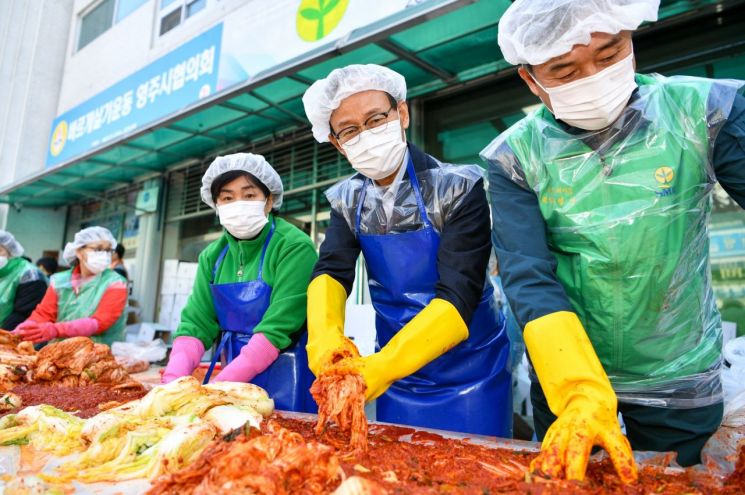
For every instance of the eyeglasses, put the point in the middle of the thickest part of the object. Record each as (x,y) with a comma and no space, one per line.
(99,249)
(376,124)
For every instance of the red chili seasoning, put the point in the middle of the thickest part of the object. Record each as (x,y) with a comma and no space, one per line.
(82,401)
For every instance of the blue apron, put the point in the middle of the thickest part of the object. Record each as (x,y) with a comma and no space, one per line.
(240,306)
(467,389)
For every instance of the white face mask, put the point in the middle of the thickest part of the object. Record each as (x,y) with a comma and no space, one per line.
(243,219)
(594,102)
(3,262)
(377,155)
(97,261)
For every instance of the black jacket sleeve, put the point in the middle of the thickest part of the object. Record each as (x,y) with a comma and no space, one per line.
(464,253)
(526,264)
(339,252)
(121,271)
(28,296)
(729,152)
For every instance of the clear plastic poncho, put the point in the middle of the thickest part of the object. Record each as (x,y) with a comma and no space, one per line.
(627,211)
(394,208)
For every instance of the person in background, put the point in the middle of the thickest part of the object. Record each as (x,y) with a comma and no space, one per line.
(517,345)
(251,284)
(600,202)
(423,229)
(47,265)
(22,286)
(117,261)
(87,300)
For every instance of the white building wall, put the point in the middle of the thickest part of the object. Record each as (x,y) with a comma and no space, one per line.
(258,30)
(38,229)
(33,37)
(128,46)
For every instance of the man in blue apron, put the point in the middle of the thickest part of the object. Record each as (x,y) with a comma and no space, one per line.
(251,285)
(423,229)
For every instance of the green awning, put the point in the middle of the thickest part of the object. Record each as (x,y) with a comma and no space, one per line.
(437,44)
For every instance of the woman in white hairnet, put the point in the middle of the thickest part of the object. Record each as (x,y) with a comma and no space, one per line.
(22,285)
(87,300)
(423,229)
(600,202)
(251,285)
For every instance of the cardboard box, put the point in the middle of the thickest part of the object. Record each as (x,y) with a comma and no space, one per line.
(179,302)
(187,270)
(174,320)
(729,332)
(359,326)
(170,268)
(168,285)
(166,302)
(164,318)
(184,286)
(147,331)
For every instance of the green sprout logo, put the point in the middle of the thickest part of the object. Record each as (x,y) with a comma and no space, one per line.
(317,18)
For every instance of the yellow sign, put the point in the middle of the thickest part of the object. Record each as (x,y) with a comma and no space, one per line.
(665,176)
(59,138)
(317,18)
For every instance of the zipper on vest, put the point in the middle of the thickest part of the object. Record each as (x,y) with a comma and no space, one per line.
(240,264)
(617,296)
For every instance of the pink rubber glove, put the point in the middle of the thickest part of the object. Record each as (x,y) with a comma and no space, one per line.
(256,356)
(24,326)
(44,332)
(84,327)
(185,355)
(40,332)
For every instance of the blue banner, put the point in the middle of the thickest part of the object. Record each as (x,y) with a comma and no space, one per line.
(727,244)
(163,87)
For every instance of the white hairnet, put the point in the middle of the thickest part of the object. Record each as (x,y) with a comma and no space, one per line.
(325,95)
(255,165)
(9,242)
(84,237)
(535,31)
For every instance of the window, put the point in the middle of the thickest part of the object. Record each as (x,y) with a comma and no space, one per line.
(96,22)
(170,21)
(126,7)
(174,12)
(104,15)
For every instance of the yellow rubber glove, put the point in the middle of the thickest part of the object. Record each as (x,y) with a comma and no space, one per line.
(580,395)
(430,334)
(326,341)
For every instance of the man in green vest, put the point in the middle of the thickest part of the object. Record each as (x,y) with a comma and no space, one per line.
(600,202)
(22,285)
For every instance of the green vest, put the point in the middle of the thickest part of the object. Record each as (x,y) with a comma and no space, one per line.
(627,224)
(10,278)
(72,306)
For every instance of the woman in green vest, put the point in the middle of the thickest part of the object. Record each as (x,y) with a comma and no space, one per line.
(88,300)
(21,284)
